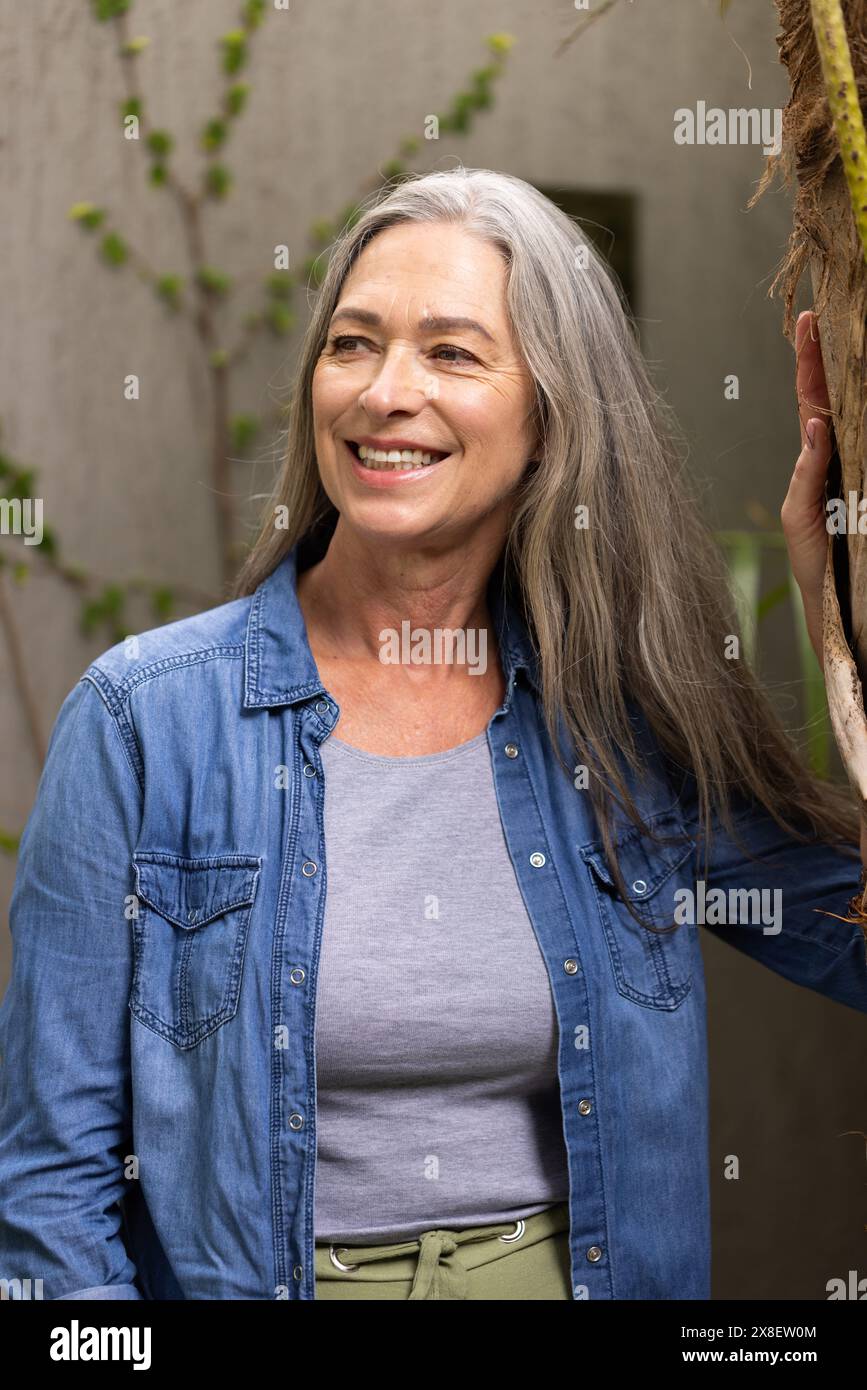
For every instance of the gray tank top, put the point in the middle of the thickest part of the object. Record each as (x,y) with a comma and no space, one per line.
(438,1103)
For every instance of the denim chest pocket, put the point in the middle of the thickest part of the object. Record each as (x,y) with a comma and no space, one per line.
(649,968)
(190,938)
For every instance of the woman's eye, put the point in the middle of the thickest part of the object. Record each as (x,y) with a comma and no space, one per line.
(463,355)
(347,343)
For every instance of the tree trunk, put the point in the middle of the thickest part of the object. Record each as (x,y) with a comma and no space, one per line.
(826,239)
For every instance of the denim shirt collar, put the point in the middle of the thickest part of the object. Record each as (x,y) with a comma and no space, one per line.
(279,668)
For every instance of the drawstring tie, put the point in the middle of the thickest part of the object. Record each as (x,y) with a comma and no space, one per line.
(437,1274)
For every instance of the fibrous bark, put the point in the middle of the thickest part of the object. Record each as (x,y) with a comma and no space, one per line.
(823,45)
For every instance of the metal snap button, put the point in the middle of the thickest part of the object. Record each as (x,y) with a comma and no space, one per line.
(296,1120)
(639,886)
(297,976)
(308,868)
(193,915)
(309,770)
(297,1272)
(594,1253)
(321,707)
(571,967)
(511,750)
(537,860)
(584,1107)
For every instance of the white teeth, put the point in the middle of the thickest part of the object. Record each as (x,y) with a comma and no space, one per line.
(398,460)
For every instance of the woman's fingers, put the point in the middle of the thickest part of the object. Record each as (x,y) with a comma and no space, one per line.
(805,499)
(811,386)
(804,523)
(803,511)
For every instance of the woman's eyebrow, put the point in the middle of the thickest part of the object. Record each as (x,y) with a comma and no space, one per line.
(439,323)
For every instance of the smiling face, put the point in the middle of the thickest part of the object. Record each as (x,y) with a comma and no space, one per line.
(421,370)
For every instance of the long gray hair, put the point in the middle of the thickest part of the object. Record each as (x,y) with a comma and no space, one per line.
(637,604)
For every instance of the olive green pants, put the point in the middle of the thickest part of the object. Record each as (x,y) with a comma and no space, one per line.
(521,1260)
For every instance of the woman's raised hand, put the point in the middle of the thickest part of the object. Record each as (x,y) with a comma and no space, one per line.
(803,512)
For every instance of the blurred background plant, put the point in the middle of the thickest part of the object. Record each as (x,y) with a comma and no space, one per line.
(748,552)
(203,292)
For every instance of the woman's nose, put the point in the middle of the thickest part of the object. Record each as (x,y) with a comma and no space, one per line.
(399,382)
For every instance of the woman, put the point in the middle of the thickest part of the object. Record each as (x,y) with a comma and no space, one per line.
(479,669)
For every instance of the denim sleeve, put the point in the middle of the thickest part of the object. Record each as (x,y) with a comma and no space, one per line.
(64,1022)
(798,884)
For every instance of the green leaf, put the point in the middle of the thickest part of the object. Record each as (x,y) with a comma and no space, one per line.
(254,11)
(8,842)
(90,615)
(214,134)
(816,714)
(745,563)
(106,608)
(771,600)
(158,174)
(168,288)
(160,143)
(481,77)
(213,280)
(314,268)
(49,542)
(109,9)
(279,319)
(113,598)
(236,98)
(114,249)
(280,285)
(500,43)
(130,106)
(135,46)
(23,483)
(234,46)
(244,429)
(218,181)
(88,215)
(350,215)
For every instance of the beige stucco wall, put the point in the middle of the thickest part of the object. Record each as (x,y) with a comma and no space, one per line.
(337,84)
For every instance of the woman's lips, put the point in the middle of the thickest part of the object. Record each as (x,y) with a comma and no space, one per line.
(389,477)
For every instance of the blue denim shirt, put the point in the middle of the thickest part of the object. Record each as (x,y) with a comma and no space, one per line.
(158,1086)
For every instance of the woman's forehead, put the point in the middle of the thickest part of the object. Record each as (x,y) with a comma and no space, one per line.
(436,260)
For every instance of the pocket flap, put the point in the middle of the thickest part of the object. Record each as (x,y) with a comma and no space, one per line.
(645,863)
(192,892)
